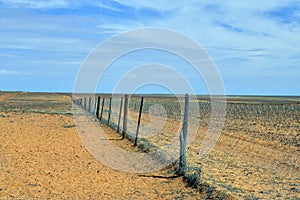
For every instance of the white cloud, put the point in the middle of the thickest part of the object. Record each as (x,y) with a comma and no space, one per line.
(102,5)
(203,19)
(241,36)
(161,5)
(118,28)
(7,72)
(243,25)
(57,44)
(36,4)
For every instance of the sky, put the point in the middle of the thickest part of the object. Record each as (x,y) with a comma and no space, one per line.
(255,44)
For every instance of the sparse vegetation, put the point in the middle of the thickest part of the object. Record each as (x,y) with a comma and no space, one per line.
(256,156)
(255,129)
(37,103)
(69,126)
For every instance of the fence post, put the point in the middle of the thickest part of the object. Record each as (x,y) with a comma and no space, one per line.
(95,105)
(98,106)
(183,137)
(92,105)
(89,104)
(139,121)
(109,112)
(86,103)
(125,116)
(101,114)
(120,114)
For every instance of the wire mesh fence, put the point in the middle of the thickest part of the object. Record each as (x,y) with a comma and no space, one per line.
(256,155)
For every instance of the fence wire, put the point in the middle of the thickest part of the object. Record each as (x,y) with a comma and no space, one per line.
(256,155)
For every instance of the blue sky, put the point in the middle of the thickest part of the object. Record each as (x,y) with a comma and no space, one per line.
(255,44)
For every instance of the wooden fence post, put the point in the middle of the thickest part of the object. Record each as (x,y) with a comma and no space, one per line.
(90,104)
(95,105)
(125,116)
(109,112)
(120,114)
(183,137)
(98,106)
(139,121)
(85,103)
(101,114)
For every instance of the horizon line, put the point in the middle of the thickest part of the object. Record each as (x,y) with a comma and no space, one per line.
(155,94)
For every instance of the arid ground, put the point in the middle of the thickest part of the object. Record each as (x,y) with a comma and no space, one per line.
(42,157)
(256,155)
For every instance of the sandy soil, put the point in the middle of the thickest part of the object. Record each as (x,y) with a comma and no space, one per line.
(42,157)
(247,165)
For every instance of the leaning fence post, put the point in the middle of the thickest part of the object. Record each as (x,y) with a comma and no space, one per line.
(139,121)
(120,114)
(183,137)
(101,114)
(125,116)
(98,107)
(109,112)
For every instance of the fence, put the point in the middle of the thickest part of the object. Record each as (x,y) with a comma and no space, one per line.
(259,135)
(114,113)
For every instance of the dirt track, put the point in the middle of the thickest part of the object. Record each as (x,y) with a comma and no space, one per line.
(41,156)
